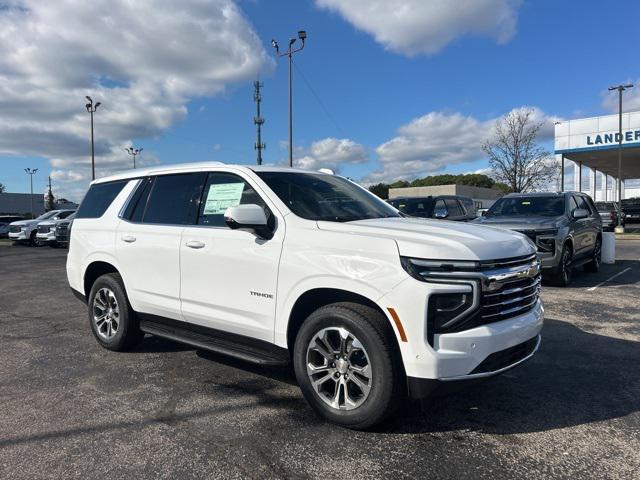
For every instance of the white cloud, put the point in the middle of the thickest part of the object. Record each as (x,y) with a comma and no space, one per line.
(429,144)
(331,153)
(143,60)
(630,99)
(413,27)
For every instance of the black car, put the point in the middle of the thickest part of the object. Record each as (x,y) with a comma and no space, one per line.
(450,207)
(5,220)
(631,210)
(63,230)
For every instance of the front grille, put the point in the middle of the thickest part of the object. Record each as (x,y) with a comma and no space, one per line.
(44,228)
(513,299)
(14,229)
(62,228)
(504,358)
(506,262)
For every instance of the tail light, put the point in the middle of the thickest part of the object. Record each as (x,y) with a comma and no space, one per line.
(614,215)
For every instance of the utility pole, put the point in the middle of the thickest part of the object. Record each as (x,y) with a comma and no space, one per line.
(302,35)
(134,152)
(31,173)
(258,120)
(91,108)
(620,89)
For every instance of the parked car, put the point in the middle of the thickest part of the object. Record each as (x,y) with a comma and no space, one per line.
(609,215)
(449,207)
(47,229)
(25,231)
(273,265)
(631,210)
(63,231)
(5,220)
(565,227)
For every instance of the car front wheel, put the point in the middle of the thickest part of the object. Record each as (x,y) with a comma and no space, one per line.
(565,269)
(596,257)
(346,365)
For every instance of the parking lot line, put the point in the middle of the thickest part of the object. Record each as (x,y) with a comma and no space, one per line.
(608,279)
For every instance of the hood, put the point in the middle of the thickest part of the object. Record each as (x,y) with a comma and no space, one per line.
(439,239)
(521,223)
(25,223)
(48,222)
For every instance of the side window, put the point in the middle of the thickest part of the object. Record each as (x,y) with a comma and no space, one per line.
(580,202)
(440,209)
(454,207)
(174,199)
(98,198)
(224,190)
(138,201)
(573,205)
(469,206)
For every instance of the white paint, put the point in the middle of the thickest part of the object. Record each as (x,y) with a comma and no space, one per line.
(608,279)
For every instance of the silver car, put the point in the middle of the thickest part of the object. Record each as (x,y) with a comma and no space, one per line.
(565,227)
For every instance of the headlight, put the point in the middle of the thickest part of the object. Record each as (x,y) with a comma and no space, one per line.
(458,298)
(420,268)
(547,233)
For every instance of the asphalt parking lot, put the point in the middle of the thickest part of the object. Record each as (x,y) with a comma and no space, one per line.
(69,409)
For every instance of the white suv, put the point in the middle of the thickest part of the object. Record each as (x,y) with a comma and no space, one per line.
(274,265)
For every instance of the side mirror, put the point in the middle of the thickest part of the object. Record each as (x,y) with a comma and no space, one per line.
(441,214)
(250,218)
(579,213)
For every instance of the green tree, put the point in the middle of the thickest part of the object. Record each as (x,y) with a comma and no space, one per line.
(380,189)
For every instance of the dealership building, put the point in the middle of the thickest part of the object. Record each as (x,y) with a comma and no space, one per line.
(591,146)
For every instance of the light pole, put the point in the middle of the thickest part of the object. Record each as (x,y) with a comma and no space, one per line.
(91,108)
(134,152)
(302,35)
(31,173)
(620,89)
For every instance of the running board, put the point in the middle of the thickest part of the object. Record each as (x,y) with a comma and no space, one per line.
(238,346)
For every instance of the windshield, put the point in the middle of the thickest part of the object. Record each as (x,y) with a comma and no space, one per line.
(521,206)
(325,197)
(605,206)
(46,215)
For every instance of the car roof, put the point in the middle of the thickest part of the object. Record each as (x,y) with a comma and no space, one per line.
(196,167)
(540,194)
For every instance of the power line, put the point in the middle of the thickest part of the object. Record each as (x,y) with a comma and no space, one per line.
(320,102)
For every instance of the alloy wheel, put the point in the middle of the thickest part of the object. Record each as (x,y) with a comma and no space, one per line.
(106,313)
(339,368)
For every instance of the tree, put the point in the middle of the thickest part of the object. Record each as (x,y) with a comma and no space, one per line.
(514,155)
(380,189)
(2,188)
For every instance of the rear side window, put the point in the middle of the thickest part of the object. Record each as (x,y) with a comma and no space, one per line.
(454,207)
(174,199)
(98,199)
(469,206)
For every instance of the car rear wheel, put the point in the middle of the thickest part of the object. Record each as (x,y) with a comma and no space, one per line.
(596,258)
(346,365)
(113,321)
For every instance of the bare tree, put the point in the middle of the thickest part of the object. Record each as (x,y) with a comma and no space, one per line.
(514,155)
(2,188)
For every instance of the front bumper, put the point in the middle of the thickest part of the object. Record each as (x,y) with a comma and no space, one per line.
(46,237)
(17,237)
(458,355)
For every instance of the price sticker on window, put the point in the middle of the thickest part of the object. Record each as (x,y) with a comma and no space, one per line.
(222,196)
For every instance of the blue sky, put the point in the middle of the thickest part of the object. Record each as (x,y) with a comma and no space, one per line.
(348,85)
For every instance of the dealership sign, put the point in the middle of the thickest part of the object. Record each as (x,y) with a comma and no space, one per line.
(602,139)
(597,133)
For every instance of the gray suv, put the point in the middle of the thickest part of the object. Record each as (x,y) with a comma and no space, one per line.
(565,227)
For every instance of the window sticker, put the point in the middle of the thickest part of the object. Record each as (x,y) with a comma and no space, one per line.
(222,196)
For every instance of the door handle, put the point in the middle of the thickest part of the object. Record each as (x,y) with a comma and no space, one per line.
(195,244)
(128,238)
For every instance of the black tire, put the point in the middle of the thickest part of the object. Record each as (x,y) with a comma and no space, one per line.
(564,272)
(596,258)
(127,334)
(386,381)
(33,240)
